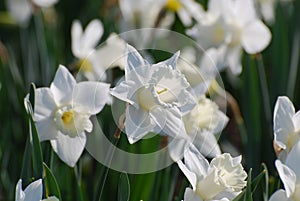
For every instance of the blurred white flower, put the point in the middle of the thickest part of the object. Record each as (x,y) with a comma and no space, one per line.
(235,25)
(21,10)
(157,95)
(33,192)
(290,176)
(286,125)
(187,10)
(62,113)
(223,178)
(83,48)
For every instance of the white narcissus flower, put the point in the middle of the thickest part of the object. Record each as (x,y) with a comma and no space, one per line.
(286,125)
(83,48)
(234,24)
(21,10)
(224,177)
(187,10)
(33,192)
(157,96)
(62,113)
(290,176)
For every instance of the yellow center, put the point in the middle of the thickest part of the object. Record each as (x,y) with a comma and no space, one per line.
(67,117)
(173,5)
(85,65)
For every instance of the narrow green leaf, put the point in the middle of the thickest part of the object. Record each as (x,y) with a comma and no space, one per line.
(124,188)
(265,185)
(32,95)
(248,195)
(52,188)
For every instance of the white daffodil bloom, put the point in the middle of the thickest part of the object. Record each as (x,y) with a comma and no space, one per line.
(33,192)
(286,125)
(62,113)
(83,48)
(187,10)
(21,10)
(224,177)
(157,97)
(234,24)
(290,176)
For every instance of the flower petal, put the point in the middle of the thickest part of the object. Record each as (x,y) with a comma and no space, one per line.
(92,35)
(191,176)
(91,95)
(125,91)
(190,195)
(62,85)
(233,59)
(45,3)
(176,147)
(137,124)
(76,33)
(245,11)
(133,60)
(287,177)
(171,62)
(283,124)
(292,160)
(256,37)
(34,191)
(46,129)
(207,144)
(44,104)
(69,149)
(20,195)
(279,195)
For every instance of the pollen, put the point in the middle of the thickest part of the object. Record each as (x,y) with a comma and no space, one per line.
(173,5)
(161,91)
(67,117)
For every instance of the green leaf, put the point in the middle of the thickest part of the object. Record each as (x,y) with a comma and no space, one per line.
(123,188)
(265,185)
(51,185)
(248,195)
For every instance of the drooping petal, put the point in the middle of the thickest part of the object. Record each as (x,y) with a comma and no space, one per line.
(34,191)
(44,104)
(69,149)
(256,37)
(191,176)
(20,195)
(62,86)
(279,195)
(292,160)
(91,95)
(287,177)
(45,3)
(283,124)
(46,129)
(137,124)
(190,195)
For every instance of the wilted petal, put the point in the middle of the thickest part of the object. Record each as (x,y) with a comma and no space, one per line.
(62,85)
(287,177)
(91,95)
(256,37)
(69,149)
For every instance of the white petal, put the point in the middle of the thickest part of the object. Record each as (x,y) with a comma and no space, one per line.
(222,122)
(191,176)
(137,124)
(191,195)
(45,3)
(91,36)
(219,6)
(91,95)
(46,129)
(207,144)
(44,104)
(296,121)
(176,147)
(62,85)
(20,10)
(171,62)
(245,10)
(195,162)
(287,177)
(69,149)
(233,59)
(125,91)
(20,195)
(133,59)
(279,195)
(185,17)
(256,37)
(283,125)
(194,9)
(34,191)
(292,160)
(51,198)
(76,33)
(267,10)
